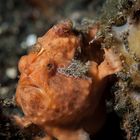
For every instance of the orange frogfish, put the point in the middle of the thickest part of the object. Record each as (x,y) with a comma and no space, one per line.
(60,92)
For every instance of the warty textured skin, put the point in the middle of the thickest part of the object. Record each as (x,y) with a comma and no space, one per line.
(65,107)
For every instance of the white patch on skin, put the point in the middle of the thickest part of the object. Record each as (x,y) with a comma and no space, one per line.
(43,120)
(83,135)
(39,113)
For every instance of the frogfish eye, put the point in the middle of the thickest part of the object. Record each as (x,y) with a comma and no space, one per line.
(51,68)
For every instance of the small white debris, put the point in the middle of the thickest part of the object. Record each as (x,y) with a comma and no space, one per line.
(31,39)
(3,92)
(23,45)
(74,16)
(11,73)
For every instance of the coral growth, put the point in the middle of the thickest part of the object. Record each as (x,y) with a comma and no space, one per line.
(121,30)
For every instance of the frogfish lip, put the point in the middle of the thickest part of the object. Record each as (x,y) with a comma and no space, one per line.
(28,80)
(30,89)
(27,84)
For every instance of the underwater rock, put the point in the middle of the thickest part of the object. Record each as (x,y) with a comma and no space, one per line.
(121,30)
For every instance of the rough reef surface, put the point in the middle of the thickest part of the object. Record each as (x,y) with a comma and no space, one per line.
(122,31)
